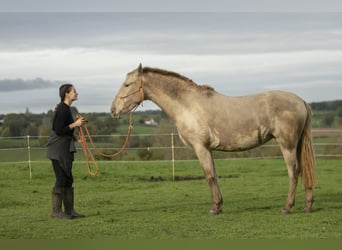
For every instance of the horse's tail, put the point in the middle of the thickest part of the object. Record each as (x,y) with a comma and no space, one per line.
(306,154)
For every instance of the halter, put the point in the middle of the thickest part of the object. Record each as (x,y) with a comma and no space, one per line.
(139,89)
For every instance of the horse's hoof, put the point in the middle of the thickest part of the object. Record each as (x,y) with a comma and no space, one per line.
(307,210)
(285,211)
(215,212)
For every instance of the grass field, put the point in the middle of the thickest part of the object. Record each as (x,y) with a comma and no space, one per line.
(139,200)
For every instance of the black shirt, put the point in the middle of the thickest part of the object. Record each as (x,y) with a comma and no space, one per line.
(62,119)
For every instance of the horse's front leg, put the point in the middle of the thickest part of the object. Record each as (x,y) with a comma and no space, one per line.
(207,163)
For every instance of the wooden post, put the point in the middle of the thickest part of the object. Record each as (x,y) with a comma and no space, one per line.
(173,157)
(29,155)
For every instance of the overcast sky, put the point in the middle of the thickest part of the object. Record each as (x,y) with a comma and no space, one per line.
(236,53)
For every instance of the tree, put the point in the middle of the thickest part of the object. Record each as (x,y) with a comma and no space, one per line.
(15,124)
(339,112)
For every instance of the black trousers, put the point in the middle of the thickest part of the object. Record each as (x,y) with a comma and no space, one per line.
(64,178)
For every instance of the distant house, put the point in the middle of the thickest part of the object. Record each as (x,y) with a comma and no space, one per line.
(1,121)
(150,122)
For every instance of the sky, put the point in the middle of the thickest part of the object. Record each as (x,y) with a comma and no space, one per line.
(236,52)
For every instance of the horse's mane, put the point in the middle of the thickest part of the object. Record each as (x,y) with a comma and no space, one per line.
(174,74)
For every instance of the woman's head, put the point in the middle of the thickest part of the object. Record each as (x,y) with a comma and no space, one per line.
(63,90)
(67,92)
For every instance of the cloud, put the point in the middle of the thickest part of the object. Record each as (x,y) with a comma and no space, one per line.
(236,53)
(305,85)
(167,6)
(9,85)
(172,33)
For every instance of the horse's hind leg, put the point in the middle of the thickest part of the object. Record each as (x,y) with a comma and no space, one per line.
(207,163)
(309,200)
(293,170)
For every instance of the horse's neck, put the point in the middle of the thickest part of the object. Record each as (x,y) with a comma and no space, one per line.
(164,93)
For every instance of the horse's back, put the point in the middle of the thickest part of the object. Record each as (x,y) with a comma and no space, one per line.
(244,122)
(275,98)
(279,101)
(270,103)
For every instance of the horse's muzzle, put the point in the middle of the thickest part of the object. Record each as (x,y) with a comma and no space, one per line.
(114,113)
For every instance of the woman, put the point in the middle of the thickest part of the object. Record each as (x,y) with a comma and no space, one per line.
(60,150)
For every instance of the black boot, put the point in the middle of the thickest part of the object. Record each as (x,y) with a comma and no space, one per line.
(57,198)
(69,203)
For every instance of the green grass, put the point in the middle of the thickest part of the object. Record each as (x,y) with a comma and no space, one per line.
(139,200)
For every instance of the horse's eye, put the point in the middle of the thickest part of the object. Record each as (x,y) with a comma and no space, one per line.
(126,84)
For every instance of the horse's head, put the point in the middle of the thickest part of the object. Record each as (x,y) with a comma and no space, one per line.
(130,94)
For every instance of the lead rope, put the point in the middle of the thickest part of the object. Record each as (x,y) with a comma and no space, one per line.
(87,151)
(82,138)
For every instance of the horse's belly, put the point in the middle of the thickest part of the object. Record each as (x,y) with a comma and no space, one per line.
(237,141)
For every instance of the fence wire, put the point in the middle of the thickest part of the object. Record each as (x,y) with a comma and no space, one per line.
(327,143)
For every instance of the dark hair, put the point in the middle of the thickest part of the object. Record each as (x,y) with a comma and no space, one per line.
(63,89)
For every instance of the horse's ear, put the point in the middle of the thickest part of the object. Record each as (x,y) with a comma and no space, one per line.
(140,68)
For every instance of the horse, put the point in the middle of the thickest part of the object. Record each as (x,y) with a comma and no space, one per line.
(207,120)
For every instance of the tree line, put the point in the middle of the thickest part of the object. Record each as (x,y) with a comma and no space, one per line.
(326,114)
(20,124)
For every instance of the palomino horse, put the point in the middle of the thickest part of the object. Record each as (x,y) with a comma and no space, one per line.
(207,120)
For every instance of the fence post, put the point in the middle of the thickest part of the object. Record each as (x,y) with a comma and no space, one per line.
(173,157)
(29,155)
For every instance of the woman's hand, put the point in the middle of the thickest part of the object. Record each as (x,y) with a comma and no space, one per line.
(78,123)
